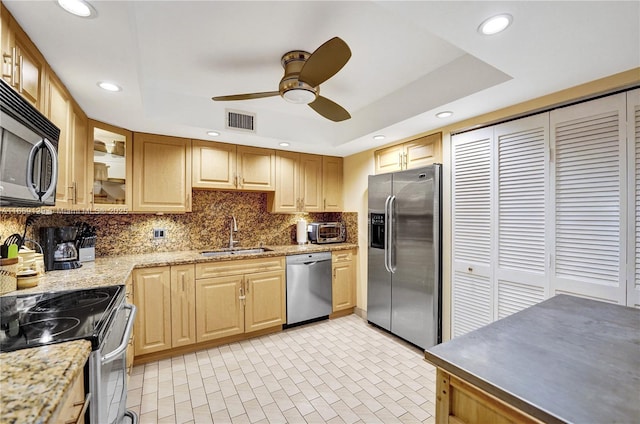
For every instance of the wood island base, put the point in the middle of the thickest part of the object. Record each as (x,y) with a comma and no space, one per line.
(459,402)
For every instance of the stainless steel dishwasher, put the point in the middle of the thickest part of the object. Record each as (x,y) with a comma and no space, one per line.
(308,287)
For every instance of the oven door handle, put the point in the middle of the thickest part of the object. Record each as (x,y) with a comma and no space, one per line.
(125,337)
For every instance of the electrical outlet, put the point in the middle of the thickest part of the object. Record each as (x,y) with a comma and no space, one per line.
(159,233)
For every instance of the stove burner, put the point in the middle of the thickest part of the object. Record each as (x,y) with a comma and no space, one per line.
(70,301)
(46,330)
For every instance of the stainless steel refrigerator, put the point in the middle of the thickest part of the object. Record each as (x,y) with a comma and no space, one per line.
(404,254)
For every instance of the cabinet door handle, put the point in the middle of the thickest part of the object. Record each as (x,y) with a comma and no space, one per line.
(21,61)
(182,281)
(14,53)
(7,63)
(404,160)
(74,193)
(235,180)
(246,286)
(324,204)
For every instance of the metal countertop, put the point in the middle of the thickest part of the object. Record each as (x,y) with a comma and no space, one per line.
(566,359)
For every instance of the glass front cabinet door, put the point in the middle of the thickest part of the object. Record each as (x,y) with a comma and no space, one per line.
(112,164)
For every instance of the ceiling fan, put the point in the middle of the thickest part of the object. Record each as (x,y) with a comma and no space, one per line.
(303,74)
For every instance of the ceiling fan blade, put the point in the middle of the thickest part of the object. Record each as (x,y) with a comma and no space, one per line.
(246,96)
(329,109)
(325,62)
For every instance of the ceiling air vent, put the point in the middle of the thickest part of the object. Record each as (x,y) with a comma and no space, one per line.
(239,120)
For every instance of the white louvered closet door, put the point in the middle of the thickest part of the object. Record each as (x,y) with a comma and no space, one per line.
(521,181)
(471,292)
(633,261)
(589,201)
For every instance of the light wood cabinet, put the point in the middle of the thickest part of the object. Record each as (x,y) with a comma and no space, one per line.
(165,298)
(152,297)
(412,154)
(220,309)
(23,66)
(460,402)
(229,167)
(298,183)
(332,184)
(343,283)
(239,296)
(110,166)
(73,408)
(130,345)
(183,305)
(161,173)
(72,190)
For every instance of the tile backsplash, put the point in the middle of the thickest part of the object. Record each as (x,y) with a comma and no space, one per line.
(207,227)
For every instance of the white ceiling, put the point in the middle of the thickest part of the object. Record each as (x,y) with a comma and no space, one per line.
(409,61)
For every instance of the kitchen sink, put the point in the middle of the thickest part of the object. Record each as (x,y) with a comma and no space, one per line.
(236,251)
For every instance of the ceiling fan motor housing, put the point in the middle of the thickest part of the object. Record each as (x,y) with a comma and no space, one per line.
(291,89)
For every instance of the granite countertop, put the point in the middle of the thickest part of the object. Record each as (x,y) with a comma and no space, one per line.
(33,382)
(113,270)
(566,359)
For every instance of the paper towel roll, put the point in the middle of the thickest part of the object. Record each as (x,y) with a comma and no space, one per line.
(301,235)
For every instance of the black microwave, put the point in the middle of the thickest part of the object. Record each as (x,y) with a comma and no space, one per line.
(28,153)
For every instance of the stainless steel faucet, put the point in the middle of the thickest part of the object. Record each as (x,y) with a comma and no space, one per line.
(233,227)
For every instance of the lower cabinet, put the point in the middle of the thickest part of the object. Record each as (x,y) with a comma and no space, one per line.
(72,410)
(343,284)
(165,298)
(182,305)
(239,296)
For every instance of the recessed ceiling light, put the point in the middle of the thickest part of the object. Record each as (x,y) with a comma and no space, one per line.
(213,133)
(495,24)
(109,86)
(78,7)
(379,137)
(445,114)
(284,144)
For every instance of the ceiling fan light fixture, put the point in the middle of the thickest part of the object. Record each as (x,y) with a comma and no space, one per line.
(78,7)
(495,24)
(299,96)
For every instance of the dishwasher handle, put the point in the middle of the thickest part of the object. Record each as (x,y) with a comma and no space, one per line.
(315,262)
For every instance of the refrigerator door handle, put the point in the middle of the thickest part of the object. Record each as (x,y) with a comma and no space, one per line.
(391,245)
(386,235)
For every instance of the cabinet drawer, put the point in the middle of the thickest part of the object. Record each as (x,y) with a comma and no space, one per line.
(239,266)
(341,256)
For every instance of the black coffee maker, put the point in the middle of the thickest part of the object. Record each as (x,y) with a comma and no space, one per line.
(59,248)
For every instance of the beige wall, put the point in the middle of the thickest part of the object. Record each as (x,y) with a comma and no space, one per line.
(357,167)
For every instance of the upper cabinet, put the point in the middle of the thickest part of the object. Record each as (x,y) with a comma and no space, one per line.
(162,173)
(307,183)
(298,183)
(229,167)
(111,166)
(22,64)
(332,184)
(71,191)
(412,154)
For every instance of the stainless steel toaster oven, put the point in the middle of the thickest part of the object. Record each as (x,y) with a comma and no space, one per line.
(326,232)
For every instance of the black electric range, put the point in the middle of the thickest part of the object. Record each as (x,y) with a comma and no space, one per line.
(37,319)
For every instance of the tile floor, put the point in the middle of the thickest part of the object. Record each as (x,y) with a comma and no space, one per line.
(336,371)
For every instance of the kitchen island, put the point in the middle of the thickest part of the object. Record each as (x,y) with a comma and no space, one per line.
(564,360)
